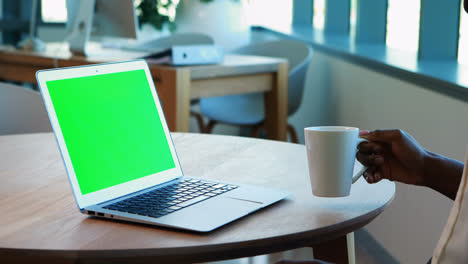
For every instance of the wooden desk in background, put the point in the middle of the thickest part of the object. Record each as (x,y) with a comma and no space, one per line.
(40,221)
(175,85)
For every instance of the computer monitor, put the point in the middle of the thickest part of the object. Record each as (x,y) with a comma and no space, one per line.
(99,18)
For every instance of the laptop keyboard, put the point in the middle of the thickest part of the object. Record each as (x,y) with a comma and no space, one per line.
(171,198)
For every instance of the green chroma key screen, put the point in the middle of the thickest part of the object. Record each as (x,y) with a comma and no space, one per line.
(111,127)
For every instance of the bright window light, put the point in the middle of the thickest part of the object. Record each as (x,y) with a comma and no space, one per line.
(463,38)
(352,19)
(403,24)
(319,14)
(276,14)
(54,11)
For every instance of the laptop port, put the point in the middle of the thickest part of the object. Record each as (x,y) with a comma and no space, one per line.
(91,213)
(100,214)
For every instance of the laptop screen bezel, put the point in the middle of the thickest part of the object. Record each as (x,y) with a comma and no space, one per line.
(122,189)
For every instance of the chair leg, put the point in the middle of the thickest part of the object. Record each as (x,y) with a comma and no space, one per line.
(256,129)
(292,133)
(209,128)
(199,118)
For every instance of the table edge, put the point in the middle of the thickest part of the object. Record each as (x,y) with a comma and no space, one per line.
(205,252)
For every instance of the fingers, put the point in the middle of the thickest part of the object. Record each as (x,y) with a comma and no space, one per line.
(370,159)
(363,132)
(374,163)
(387,136)
(373,175)
(372,147)
(369,174)
(372,155)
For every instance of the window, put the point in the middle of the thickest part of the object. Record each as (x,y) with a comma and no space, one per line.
(319,14)
(352,19)
(403,24)
(276,14)
(54,11)
(463,38)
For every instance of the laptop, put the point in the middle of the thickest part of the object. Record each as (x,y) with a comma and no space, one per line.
(120,157)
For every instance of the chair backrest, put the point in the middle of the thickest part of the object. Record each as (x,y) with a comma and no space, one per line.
(22,111)
(179,39)
(298,54)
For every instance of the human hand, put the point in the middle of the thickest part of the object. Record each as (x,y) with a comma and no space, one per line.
(392,154)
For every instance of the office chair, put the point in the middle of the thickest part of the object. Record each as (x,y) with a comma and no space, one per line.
(248,109)
(22,111)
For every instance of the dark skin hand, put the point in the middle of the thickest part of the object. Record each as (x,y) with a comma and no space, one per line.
(397,156)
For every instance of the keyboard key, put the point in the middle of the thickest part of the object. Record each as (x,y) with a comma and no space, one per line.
(155,215)
(171,198)
(192,201)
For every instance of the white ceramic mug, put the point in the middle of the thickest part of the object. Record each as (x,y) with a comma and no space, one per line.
(331,152)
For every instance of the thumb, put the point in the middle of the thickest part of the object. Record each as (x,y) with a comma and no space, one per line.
(387,136)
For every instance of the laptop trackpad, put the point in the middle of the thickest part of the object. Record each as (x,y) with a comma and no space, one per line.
(210,214)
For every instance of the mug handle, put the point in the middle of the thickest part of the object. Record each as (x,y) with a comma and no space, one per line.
(364,168)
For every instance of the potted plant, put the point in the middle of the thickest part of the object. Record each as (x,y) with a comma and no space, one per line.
(157,13)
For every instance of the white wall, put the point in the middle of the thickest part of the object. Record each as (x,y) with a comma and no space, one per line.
(342,93)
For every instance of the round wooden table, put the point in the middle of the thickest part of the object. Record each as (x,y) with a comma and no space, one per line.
(40,221)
